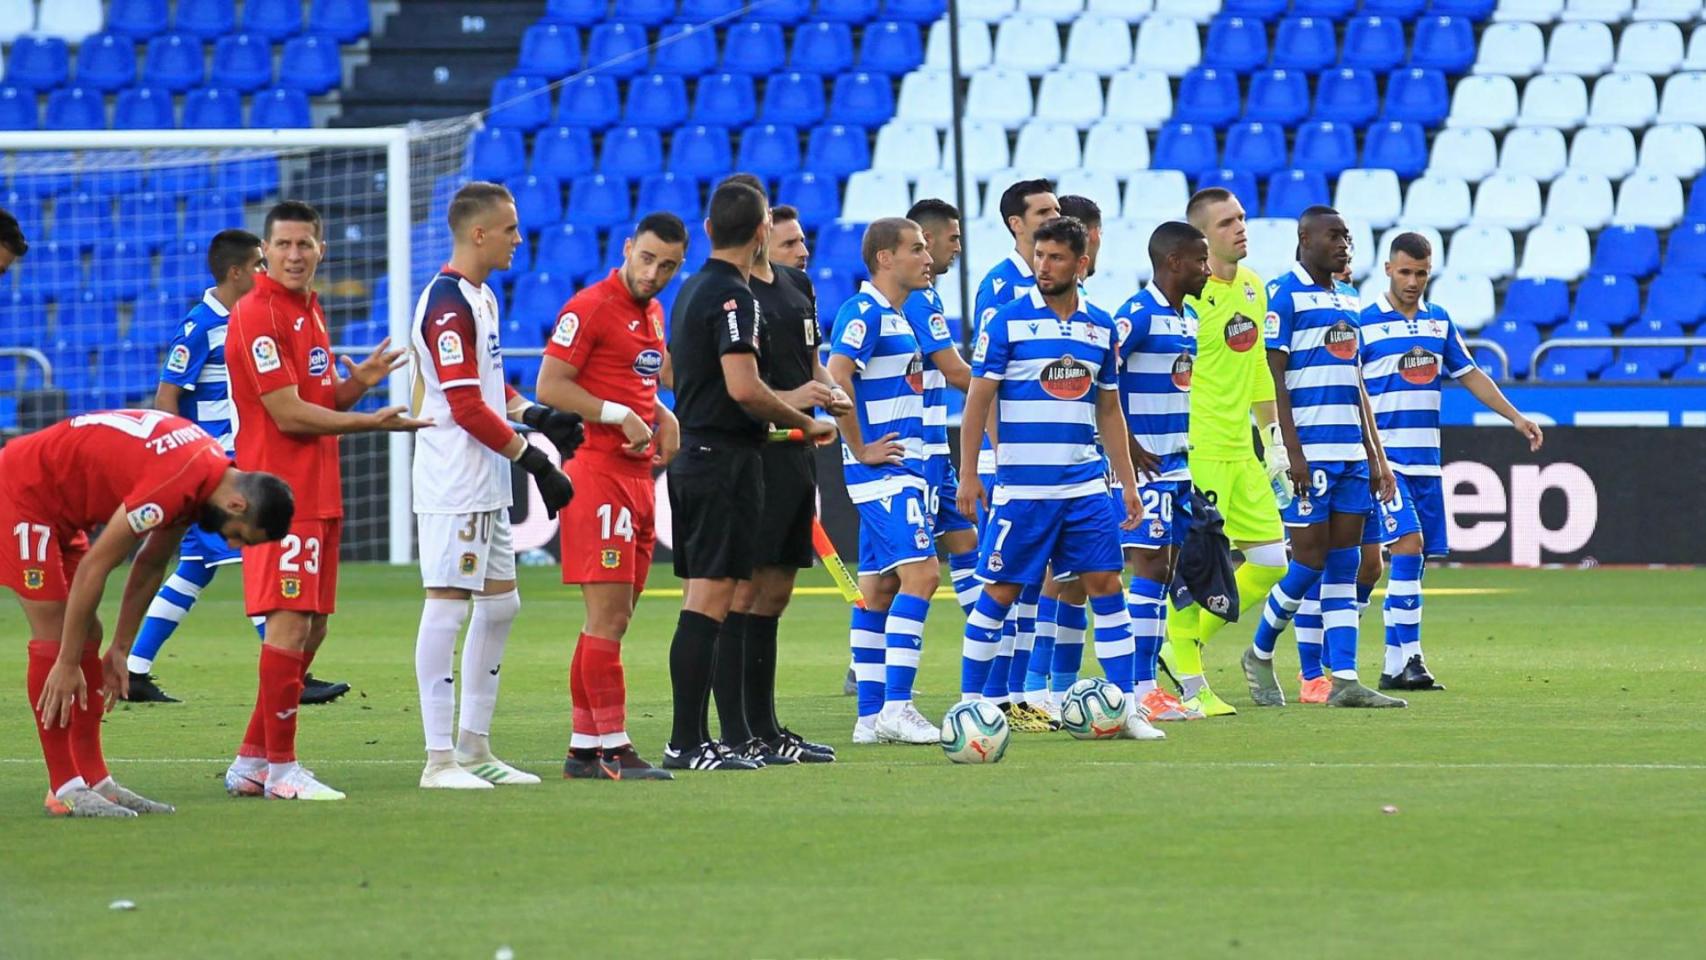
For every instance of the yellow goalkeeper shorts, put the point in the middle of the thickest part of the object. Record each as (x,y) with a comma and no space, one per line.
(1240,489)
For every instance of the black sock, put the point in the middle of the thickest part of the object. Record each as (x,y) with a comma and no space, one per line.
(584,753)
(761,676)
(728,680)
(691,655)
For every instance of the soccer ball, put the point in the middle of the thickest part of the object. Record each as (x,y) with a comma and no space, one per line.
(974,732)
(1094,709)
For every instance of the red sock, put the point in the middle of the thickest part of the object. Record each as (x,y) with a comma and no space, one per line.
(254,743)
(86,723)
(605,684)
(307,661)
(579,699)
(55,743)
(281,697)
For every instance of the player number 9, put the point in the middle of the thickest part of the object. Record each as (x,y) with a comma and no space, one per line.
(1319,482)
(292,547)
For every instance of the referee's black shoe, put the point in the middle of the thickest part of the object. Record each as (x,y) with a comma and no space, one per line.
(759,752)
(315,690)
(143,689)
(709,755)
(791,743)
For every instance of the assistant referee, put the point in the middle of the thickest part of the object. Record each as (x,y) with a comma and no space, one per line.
(716,482)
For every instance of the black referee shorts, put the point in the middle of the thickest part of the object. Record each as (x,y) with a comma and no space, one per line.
(716,500)
(790,505)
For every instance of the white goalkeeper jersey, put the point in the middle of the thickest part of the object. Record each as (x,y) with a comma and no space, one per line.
(454,343)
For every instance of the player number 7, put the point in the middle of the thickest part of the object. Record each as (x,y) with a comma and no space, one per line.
(42,532)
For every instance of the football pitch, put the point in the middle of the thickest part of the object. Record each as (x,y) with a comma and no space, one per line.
(1551,803)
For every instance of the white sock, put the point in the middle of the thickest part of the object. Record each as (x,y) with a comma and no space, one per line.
(583,741)
(1344,674)
(893,708)
(249,764)
(275,771)
(1144,688)
(435,665)
(613,741)
(482,658)
(1191,684)
(136,664)
(75,783)
(438,759)
(472,746)
(1410,648)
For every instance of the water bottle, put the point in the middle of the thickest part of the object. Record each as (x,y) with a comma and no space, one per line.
(1282,490)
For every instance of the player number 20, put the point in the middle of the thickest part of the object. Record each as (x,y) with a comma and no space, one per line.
(613,523)
(1155,506)
(41,532)
(292,547)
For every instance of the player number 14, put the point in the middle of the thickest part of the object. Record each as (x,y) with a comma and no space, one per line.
(622,526)
(41,532)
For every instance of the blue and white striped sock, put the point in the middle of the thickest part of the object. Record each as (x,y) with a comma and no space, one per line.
(869,659)
(995,686)
(1403,611)
(982,639)
(1146,601)
(1023,641)
(1071,620)
(1114,643)
(1042,652)
(177,595)
(1308,626)
(962,573)
(1339,611)
(905,641)
(1282,604)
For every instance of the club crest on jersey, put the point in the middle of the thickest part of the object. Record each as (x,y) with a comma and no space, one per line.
(567,326)
(995,562)
(450,348)
(915,373)
(319,361)
(146,517)
(1066,379)
(1219,604)
(648,363)
(920,538)
(35,578)
(1341,340)
(1241,334)
(657,326)
(1249,292)
(1157,529)
(1419,366)
(610,558)
(265,352)
(468,564)
(1391,524)
(853,335)
(938,326)
(1182,365)
(179,359)
(1304,508)
(289,587)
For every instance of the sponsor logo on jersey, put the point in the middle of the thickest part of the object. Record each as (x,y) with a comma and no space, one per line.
(1240,332)
(468,564)
(35,578)
(995,562)
(1419,366)
(1341,340)
(648,363)
(179,359)
(493,348)
(299,322)
(265,352)
(610,558)
(146,517)
(987,315)
(319,361)
(1182,365)
(915,373)
(938,326)
(449,315)
(567,326)
(1270,325)
(1066,379)
(289,587)
(853,335)
(449,348)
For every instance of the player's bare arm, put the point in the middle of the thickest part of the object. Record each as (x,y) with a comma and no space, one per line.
(840,402)
(1482,388)
(747,388)
(1297,469)
(369,373)
(167,397)
(295,415)
(1116,439)
(147,571)
(980,399)
(884,449)
(668,434)
(1380,479)
(954,368)
(558,388)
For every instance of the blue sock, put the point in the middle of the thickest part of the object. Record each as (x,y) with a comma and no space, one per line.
(1308,625)
(869,658)
(1338,610)
(1283,601)
(1071,620)
(1042,652)
(1023,641)
(905,640)
(962,573)
(177,595)
(1404,609)
(1146,601)
(982,639)
(1114,643)
(995,686)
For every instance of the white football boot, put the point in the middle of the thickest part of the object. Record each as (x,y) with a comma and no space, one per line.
(298,784)
(908,726)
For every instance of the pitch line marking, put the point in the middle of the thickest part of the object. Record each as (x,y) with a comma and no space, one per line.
(946,592)
(1176,764)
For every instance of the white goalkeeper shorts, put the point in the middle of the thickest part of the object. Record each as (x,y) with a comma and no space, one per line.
(461,551)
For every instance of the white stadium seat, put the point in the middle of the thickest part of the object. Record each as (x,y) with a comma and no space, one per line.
(1598,11)
(1436,241)
(1676,11)
(1125,247)
(1110,289)
(1140,96)
(1155,195)
(1674,148)
(1100,186)
(69,20)
(1000,95)
(1553,100)
(1607,151)
(1528,11)
(1510,50)
(940,184)
(1654,47)
(1507,200)
(987,241)
(1131,11)
(1060,11)
(989,11)
(1047,146)
(1103,44)
(17,17)
(1373,285)
(926,95)
(1684,99)
(1534,152)
(1373,194)
(909,146)
(1362,238)
(948,287)
(1468,297)
(999,180)
(1579,199)
(1071,96)
(1649,199)
(1464,152)
(1116,146)
(1030,44)
(1624,99)
(1441,202)
(1555,251)
(1584,49)
(1168,44)
(1483,250)
(1489,102)
(872,194)
(985,149)
(1199,11)
(1695,59)
(1273,245)
(976,52)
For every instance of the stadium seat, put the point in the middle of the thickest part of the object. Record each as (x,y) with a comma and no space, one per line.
(648,13)
(1578,361)
(1536,302)
(1402,9)
(1373,43)
(1236,43)
(769,150)
(1196,11)
(1607,151)
(874,194)
(1241,183)
(1383,251)
(861,100)
(703,11)
(1325,147)
(1553,100)
(1536,152)
(1124,242)
(910,147)
(1624,99)
(119,173)
(1675,149)
(1304,43)
(137,19)
(1684,99)
(73,21)
(1258,148)
(1654,48)
(1154,195)
(1102,188)
(1580,199)
(1675,11)
(891,48)
(76,108)
(565,250)
(724,100)
(847,11)
(656,100)
(1443,43)
(538,200)
(1475,10)
(835,150)
(940,185)
(1116,146)
(1099,44)
(520,103)
(1167,44)
(1437,202)
(1187,147)
(1685,249)
(672,192)
(562,152)
(700,151)
(1046,147)
(1487,102)
(1263,10)
(140,108)
(1529,11)
(1555,250)
(1290,192)
(1346,96)
(977,49)
(83,221)
(56,269)
(106,62)
(1508,200)
(1677,298)
(148,220)
(1598,11)
(38,63)
(617,49)
(1373,194)
(631,153)
(1583,49)
(1071,96)
(314,66)
(816,197)
(1631,367)
(1027,44)
(1416,96)
(1518,340)
(1483,251)
(553,51)
(820,47)
(273,19)
(205,214)
(18,108)
(173,62)
(1695,58)
(838,246)
(345,21)
(1661,360)
(1693,369)
(1208,96)
(577,12)
(755,48)
(598,201)
(1278,96)
(1001,95)
(496,154)
(243,62)
(1272,245)
(279,109)
(1511,50)
(1649,199)
(206,19)
(926,96)
(1469,295)
(591,101)
(1140,96)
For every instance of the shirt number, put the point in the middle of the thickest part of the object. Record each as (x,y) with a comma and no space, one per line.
(615,524)
(1006,528)
(293,547)
(1319,482)
(138,424)
(1155,505)
(41,532)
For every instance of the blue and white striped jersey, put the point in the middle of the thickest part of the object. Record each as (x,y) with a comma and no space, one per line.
(1401,364)
(1317,327)
(195,361)
(1005,282)
(1049,373)
(923,309)
(1157,348)
(888,392)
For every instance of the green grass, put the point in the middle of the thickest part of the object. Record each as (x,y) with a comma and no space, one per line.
(1551,804)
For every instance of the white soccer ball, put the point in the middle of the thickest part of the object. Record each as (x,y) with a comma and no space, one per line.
(1094,709)
(974,732)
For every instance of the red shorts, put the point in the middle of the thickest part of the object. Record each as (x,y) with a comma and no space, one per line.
(609,527)
(36,560)
(297,573)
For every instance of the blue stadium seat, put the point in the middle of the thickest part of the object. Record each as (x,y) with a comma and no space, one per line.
(794,98)
(550,50)
(839,246)
(243,62)
(1518,339)
(1535,302)
(581,13)
(647,12)
(18,108)
(1630,251)
(76,108)
(144,108)
(205,214)
(698,251)
(725,100)
(90,320)
(1207,96)
(148,219)
(38,63)
(1242,183)
(273,19)
(816,197)
(1255,148)
(83,221)
(917,11)
(617,49)
(179,172)
(1607,298)
(631,152)
(1236,43)
(562,153)
(156,317)
(671,192)
(1278,96)
(119,172)
(106,62)
(250,178)
(1694,369)
(686,49)
(1346,96)
(1185,146)
(345,21)
(861,100)
(566,250)
(596,200)
(1416,96)
(56,269)
(847,11)
(704,11)
(1489,363)
(1326,147)
(770,150)
(656,100)
(612,259)
(1373,43)
(754,48)
(701,152)
(1397,146)
(1405,10)
(1590,359)
(495,154)
(1263,10)
(1443,43)
(1631,366)
(126,272)
(834,287)
(1685,250)
(28,211)
(1475,10)
(1331,9)
(279,109)
(790,12)
(49,174)
(1305,43)
(520,103)
(183,269)
(137,19)
(1290,192)
(1663,360)
(821,47)
(835,150)
(1566,366)
(173,62)
(592,101)
(310,64)
(541,293)
(206,19)
(890,47)
(1678,298)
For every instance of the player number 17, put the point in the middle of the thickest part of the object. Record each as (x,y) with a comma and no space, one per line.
(23,532)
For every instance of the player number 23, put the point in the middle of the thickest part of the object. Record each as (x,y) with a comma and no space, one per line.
(292,547)
(613,523)
(41,532)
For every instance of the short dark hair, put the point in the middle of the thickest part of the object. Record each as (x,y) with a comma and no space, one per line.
(1202,198)
(1084,208)
(1168,238)
(782,213)
(227,249)
(1316,210)
(748,179)
(473,199)
(271,504)
(737,214)
(931,210)
(1015,197)
(1067,230)
(1412,245)
(291,211)
(883,234)
(664,225)
(11,234)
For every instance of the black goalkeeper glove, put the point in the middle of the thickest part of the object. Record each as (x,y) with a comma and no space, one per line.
(564,430)
(554,486)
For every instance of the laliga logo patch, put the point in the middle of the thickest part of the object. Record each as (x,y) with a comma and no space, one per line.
(1123,324)
(146,517)
(938,326)
(657,325)
(1066,379)
(1240,332)
(1418,366)
(995,563)
(1270,324)
(179,360)
(289,587)
(265,352)
(35,578)
(648,363)
(567,326)
(915,373)
(319,361)
(610,558)
(1341,340)
(468,564)
(982,348)
(450,348)
(853,335)
(1182,365)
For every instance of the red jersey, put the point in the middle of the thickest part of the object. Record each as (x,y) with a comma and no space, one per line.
(617,346)
(75,474)
(278,339)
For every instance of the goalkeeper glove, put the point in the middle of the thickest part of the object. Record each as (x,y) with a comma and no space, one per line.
(564,430)
(555,488)
(1273,452)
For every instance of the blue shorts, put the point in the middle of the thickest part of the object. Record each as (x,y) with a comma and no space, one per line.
(893,531)
(942,496)
(1419,507)
(1026,537)
(988,480)
(1165,520)
(1334,487)
(209,549)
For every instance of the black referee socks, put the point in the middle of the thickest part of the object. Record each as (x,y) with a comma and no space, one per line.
(691,656)
(729,678)
(761,676)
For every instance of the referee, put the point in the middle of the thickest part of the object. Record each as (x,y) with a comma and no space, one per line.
(716,482)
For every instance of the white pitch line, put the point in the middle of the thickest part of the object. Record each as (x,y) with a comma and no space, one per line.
(1135,762)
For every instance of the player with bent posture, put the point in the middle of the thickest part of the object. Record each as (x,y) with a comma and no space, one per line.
(462,490)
